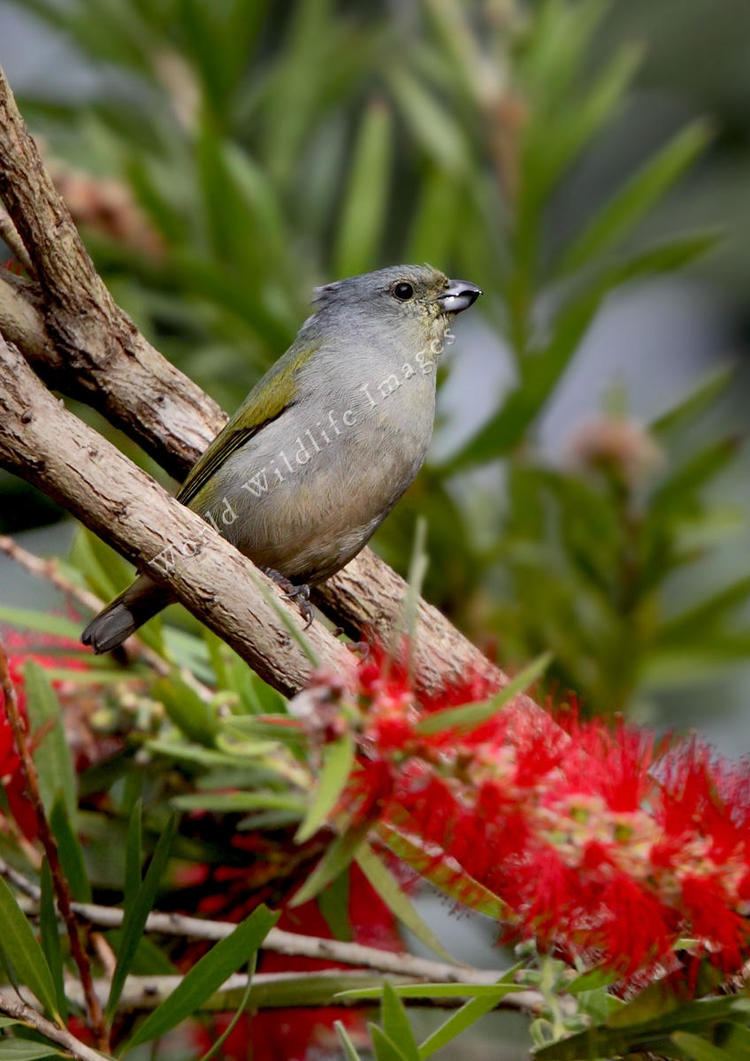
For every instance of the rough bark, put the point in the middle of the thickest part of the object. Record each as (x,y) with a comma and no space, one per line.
(106,360)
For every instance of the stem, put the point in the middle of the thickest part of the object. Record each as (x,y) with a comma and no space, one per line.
(13,1007)
(62,891)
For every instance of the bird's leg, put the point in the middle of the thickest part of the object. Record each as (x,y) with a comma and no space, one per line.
(299,594)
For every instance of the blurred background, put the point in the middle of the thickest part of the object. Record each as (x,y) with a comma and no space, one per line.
(586,164)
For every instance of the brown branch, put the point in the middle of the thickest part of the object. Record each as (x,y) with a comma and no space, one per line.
(70,462)
(13,241)
(107,363)
(103,353)
(62,890)
(13,1007)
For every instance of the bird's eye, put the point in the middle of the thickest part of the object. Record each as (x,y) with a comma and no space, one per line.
(403,291)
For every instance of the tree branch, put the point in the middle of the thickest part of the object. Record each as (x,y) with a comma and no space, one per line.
(278,940)
(12,1006)
(70,462)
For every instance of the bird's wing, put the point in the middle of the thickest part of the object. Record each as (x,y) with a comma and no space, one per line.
(269,398)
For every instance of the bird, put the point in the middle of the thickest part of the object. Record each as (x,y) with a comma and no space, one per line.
(325,443)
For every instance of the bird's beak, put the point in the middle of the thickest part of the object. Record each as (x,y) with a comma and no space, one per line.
(459,295)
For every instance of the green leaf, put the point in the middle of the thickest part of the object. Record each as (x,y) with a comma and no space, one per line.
(71,853)
(699,1049)
(20,948)
(189,712)
(39,622)
(137,911)
(686,411)
(18,1050)
(338,760)
(49,931)
(459,1021)
(133,854)
(343,1034)
(494,991)
(680,488)
(229,802)
(692,624)
(207,976)
(361,225)
(333,903)
(241,1009)
(638,196)
(396,1024)
(451,880)
(430,123)
(472,715)
(336,859)
(397,901)
(384,1047)
(52,751)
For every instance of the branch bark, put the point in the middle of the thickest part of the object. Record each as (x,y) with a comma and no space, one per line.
(95,353)
(14,1007)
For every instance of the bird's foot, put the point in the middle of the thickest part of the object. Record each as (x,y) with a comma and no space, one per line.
(300,595)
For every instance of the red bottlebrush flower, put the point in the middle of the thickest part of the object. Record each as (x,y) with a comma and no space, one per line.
(601,841)
(22,648)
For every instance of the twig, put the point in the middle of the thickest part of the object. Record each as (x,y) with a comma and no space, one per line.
(13,241)
(271,990)
(13,1007)
(277,940)
(62,891)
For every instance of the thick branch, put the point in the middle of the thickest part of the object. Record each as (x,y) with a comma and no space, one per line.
(117,370)
(70,462)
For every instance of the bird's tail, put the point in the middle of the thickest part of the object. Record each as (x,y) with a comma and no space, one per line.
(125,614)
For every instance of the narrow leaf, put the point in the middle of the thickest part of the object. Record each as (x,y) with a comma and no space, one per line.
(343,1034)
(447,877)
(699,1049)
(52,752)
(334,861)
(384,1047)
(71,853)
(396,1024)
(393,895)
(472,715)
(136,913)
(338,760)
(638,195)
(362,222)
(459,1021)
(19,945)
(49,930)
(207,976)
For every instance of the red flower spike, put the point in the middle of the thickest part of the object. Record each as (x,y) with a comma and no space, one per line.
(601,840)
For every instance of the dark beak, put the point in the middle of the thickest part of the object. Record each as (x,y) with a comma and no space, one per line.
(459,295)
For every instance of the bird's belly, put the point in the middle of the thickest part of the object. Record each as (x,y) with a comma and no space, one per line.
(307,508)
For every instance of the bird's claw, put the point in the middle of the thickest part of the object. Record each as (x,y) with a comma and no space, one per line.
(300,595)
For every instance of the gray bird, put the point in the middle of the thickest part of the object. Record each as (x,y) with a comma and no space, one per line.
(325,443)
